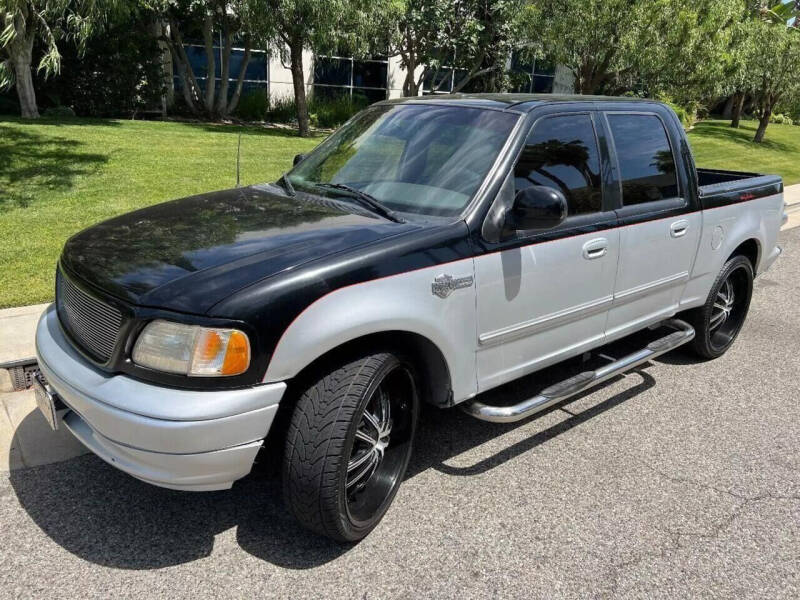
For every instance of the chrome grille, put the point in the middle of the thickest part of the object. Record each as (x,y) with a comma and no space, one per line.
(93,323)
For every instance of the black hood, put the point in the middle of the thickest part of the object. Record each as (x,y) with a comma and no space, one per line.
(189,254)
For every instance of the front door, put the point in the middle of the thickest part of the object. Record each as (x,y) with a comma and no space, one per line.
(544,296)
(659,233)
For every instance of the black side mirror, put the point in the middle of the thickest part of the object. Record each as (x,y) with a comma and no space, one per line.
(536,207)
(298,158)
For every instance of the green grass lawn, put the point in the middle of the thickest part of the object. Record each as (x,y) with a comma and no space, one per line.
(58,177)
(717,146)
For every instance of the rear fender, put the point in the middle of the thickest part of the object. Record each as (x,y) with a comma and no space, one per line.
(724,229)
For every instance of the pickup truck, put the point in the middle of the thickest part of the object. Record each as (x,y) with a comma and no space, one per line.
(429,250)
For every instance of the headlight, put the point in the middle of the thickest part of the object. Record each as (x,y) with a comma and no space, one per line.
(192,350)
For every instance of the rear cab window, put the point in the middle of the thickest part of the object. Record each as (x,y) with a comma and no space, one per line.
(647,166)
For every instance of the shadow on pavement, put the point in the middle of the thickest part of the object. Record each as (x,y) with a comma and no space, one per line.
(107,517)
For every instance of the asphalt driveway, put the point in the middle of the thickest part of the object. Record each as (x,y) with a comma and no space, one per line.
(681,479)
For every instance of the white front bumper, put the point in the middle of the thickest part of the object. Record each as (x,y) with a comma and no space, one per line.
(180,439)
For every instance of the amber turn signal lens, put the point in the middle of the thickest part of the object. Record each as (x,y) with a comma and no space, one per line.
(209,345)
(237,355)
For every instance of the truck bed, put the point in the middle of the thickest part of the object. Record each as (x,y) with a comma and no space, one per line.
(717,188)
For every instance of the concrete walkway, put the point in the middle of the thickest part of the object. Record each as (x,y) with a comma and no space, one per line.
(17,327)
(26,439)
(791,194)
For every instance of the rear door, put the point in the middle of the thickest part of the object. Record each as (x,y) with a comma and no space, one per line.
(659,230)
(544,296)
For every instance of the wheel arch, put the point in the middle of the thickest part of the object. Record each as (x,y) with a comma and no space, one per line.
(426,357)
(750,249)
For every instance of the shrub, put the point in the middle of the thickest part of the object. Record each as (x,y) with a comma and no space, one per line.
(790,108)
(781,119)
(119,74)
(688,113)
(332,112)
(282,110)
(59,112)
(322,112)
(253,106)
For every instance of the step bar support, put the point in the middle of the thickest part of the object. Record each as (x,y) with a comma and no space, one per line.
(574,385)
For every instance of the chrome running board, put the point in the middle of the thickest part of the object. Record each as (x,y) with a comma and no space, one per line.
(582,381)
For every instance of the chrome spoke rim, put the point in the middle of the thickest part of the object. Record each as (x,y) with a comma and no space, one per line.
(372,438)
(723,305)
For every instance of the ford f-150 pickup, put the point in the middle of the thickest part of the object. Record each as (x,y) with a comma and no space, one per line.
(428,251)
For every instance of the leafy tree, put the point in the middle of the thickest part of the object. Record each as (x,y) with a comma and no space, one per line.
(23,22)
(227,20)
(743,47)
(737,74)
(420,29)
(485,45)
(319,25)
(664,46)
(771,60)
(475,37)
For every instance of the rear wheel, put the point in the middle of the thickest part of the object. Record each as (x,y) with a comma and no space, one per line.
(348,445)
(720,319)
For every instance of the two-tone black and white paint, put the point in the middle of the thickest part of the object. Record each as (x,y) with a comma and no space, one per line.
(307,272)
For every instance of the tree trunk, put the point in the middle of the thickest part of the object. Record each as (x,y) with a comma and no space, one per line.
(583,82)
(183,74)
(586,87)
(222,97)
(298,81)
(763,122)
(211,65)
(191,89)
(736,109)
(20,52)
(237,92)
(410,82)
(727,112)
(161,33)
(24,81)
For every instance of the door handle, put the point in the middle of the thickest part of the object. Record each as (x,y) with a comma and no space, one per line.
(679,228)
(596,248)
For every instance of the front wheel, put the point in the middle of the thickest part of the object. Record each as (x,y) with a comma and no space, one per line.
(348,445)
(720,319)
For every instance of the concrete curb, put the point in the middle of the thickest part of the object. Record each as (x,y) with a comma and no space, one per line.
(791,195)
(17,331)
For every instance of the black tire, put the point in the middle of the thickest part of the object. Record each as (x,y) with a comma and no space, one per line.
(716,327)
(320,482)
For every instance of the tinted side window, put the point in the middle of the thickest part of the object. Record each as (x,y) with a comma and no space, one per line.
(561,153)
(645,158)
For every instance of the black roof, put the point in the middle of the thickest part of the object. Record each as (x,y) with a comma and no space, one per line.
(516,102)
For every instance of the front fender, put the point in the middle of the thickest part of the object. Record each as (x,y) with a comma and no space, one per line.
(403,302)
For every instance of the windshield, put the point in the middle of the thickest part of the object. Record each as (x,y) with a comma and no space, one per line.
(425,159)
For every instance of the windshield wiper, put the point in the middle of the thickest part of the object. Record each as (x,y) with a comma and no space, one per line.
(365,199)
(287,185)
